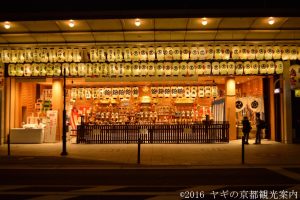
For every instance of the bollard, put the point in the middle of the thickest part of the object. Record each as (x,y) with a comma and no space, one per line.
(8,144)
(243,149)
(139,151)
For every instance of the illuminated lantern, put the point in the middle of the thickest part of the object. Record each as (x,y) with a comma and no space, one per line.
(151,53)
(112,69)
(223,68)
(21,56)
(279,67)
(231,67)
(5,55)
(293,53)
(127,70)
(235,52)
(88,93)
(214,91)
(252,52)
(160,53)
(135,92)
(60,53)
(239,70)
(201,91)
(66,68)
(136,69)
(194,53)
(121,93)
(127,54)
(100,93)
(96,69)
(270,67)
(243,52)
(74,93)
(107,93)
(285,53)
(167,92)
(199,68)
(81,69)
(35,69)
(127,92)
(187,91)
(111,55)
(89,69)
(225,52)
(207,90)
(74,69)
(191,68)
(269,52)
(42,69)
(144,69)
(101,54)
(160,69)
(52,55)
(180,91)
(168,52)
(115,93)
(118,55)
(175,68)
(260,54)
(202,53)
(28,55)
(276,52)
(174,92)
(185,53)
(262,67)
(35,55)
(209,52)
(207,68)
(76,55)
(20,69)
(11,69)
(69,55)
(56,69)
(183,69)
(176,53)
(161,92)
(218,52)
(168,68)
(154,92)
(94,93)
(254,67)
(193,91)
(215,68)
(120,69)
(247,67)
(151,69)
(14,56)
(93,55)
(49,69)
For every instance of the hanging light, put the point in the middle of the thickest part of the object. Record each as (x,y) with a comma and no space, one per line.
(6,25)
(271,20)
(137,22)
(204,21)
(71,23)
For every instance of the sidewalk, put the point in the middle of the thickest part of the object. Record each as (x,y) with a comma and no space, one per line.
(269,153)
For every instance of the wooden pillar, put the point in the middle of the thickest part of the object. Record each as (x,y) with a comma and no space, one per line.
(57,104)
(272,108)
(230,114)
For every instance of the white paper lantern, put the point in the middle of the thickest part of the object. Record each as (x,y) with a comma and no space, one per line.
(56,69)
(269,52)
(111,54)
(207,68)
(42,69)
(12,70)
(161,92)
(270,67)
(239,70)
(279,67)
(28,55)
(35,55)
(207,90)
(112,70)
(144,69)
(180,91)
(121,93)
(69,55)
(127,54)
(223,68)
(120,69)
(167,92)
(89,69)
(21,56)
(235,52)
(151,53)
(243,52)
(96,69)
(52,55)
(168,53)
(225,52)
(154,92)
(159,69)
(252,52)
(175,68)
(118,54)
(104,69)
(214,91)
(231,67)
(168,68)
(254,67)
(43,55)
(194,55)
(193,91)
(293,53)
(247,68)
(260,54)
(101,55)
(60,53)
(218,52)
(20,69)
(187,92)
(127,70)
(127,92)
(14,56)
(66,68)
(76,55)
(215,68)
(202,53)
(174,91)
(49,69)
(115,93)
(74,93)
(82,70)
(286,53)
(199,68)
(183,69)
(151,69)
(5,56)
(201,91)
(191,68)
(88,93)
(276,52)
(74,69)
(100,93)
(176,53)
(263,67)
(94,93)
(160,53)
(136,71)
(209,52)
(107,93)
(185,53)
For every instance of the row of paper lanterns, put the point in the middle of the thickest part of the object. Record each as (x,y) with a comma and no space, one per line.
(146,68)
(127,92)
(127,54)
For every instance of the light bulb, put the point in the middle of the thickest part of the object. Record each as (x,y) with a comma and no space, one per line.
(204,21)
(271,20)
(6,25)
(137,22)
(71,23)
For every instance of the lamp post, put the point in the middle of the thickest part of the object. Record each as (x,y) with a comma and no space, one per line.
(64,134)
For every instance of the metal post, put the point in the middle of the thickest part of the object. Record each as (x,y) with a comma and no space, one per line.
(64,135)
(139,151)
(9,118)
(243,149)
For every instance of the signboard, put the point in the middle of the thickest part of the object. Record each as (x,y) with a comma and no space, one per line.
(50,129)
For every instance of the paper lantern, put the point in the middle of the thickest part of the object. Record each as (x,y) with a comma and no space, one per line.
(252,52)
(285,53)
(136,69)
(160,53)
(243,52)
(121,93)
(104,69)
(111,54)
(235,52)
(35,69)
(207,68)
(144,69)
(151,69)
(193,91)
(214,91)
(199,68)
(168,68)
(209,52)
(202,53)
(69,55)
(66,68)
(269,52)
(225,52)
(107,93)
(74,93)
(120,69)
(127,54)
(215,68)
(115,93)
(176,53)
(42,69)
(293,53)
(154,92)
(231,67)
(113,72)
(12,70)
(174,91)
(102,55)
(159,69)
(49,69)
(180,91)
(135,92)
(118,55)
(151,53)
(76,55)
(21,55)
(239,70)
(127,70)
(270,67)
(276,52)
(94,93)
(247,67)
(57,69)
(81,69)
(194,55)
(183,69)
(223,68)
(185,53)
(262,67)
(5,55)
(175,68)
(20,69)
(127,92)
(279,67)
(14,56)
(207,91)
(74,69)
(191,68)
(100,93)
(218,52)
(89,69)
(60,53)
(28,55)
(35,55)
(88,93)
(168,53)
(52,55)
(254,67)
(160,92)
(167,92)
(260,54)
(187,92)
(96,69)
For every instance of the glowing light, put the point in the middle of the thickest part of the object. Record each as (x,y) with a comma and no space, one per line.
(71,23)
(137,22)
(204,21)
(6,25)
(271,20)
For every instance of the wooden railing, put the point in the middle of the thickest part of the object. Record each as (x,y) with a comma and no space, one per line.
(216,132)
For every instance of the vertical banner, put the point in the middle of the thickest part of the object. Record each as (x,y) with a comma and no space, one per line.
(50,128)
